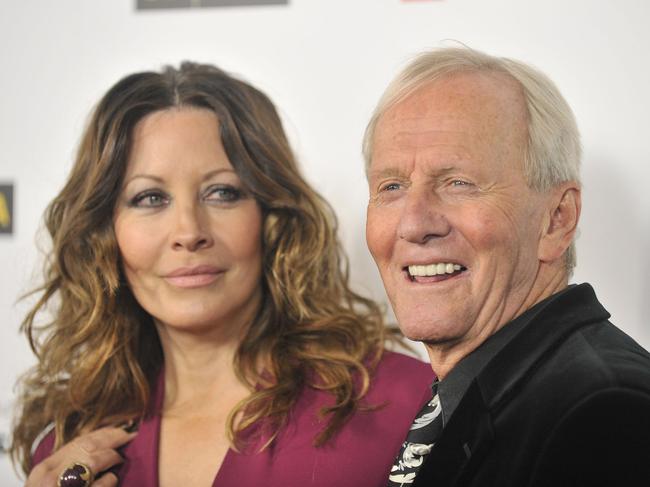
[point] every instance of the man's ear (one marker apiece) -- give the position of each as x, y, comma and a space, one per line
561, 221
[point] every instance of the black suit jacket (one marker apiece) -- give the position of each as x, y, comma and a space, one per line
565, 403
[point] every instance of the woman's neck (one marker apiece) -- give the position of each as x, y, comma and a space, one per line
199, 369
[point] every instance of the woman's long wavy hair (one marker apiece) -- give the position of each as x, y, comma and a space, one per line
99, 355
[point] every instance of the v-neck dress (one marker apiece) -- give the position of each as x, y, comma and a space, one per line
360, 455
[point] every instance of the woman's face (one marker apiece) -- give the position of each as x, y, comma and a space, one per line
188, 233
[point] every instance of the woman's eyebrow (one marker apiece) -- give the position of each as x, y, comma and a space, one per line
216, 172
152, 177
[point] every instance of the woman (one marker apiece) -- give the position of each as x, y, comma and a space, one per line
201, 302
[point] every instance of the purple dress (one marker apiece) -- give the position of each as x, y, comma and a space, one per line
360, 455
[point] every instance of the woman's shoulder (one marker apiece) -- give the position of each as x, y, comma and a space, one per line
362, 451
400, 378
397, 366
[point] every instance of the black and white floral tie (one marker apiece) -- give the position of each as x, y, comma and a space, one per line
420, 440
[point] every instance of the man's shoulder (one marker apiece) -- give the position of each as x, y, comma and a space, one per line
610, 349
603, 439
554, 366
580, 408
598, 356
570, 343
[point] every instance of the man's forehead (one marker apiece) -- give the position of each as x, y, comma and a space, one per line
449, 140
455, 116
396, 134
457, 98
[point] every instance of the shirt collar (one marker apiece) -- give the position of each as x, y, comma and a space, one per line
452, 389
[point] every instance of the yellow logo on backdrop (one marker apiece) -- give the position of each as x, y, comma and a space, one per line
5, 218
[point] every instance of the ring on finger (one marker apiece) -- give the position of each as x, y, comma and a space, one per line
76, 475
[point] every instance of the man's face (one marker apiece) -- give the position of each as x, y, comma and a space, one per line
452, 224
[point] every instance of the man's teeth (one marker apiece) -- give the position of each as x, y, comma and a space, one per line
434, 269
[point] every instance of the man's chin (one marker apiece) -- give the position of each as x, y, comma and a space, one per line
431, 335
420, 329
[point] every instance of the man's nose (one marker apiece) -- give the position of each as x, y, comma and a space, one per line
191, 230
423, 217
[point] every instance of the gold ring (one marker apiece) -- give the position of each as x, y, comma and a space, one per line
76, 475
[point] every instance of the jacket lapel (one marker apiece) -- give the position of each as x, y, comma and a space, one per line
549, 325
141, 454
467, 437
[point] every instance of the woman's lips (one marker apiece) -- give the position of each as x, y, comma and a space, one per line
190, 277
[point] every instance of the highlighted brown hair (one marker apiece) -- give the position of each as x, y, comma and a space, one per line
100, 354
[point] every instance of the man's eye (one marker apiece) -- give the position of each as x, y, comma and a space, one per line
459, 183
390, 187
224, 193
149, 199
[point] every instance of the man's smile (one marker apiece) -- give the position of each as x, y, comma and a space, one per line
434, 272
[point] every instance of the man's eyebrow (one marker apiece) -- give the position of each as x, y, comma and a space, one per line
442, 171
393, 172
388, 172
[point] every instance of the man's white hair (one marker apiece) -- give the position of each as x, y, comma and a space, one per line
553, 149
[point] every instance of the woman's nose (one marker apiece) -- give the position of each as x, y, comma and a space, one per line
191, 229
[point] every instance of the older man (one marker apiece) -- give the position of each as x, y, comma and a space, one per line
472, 165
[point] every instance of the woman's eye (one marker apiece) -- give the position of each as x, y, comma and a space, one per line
224, 193
149, 199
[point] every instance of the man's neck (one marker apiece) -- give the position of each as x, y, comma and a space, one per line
446, 355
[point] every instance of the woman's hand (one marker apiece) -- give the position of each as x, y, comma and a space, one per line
97, 450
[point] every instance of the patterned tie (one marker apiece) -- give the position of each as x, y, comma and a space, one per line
420, 440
